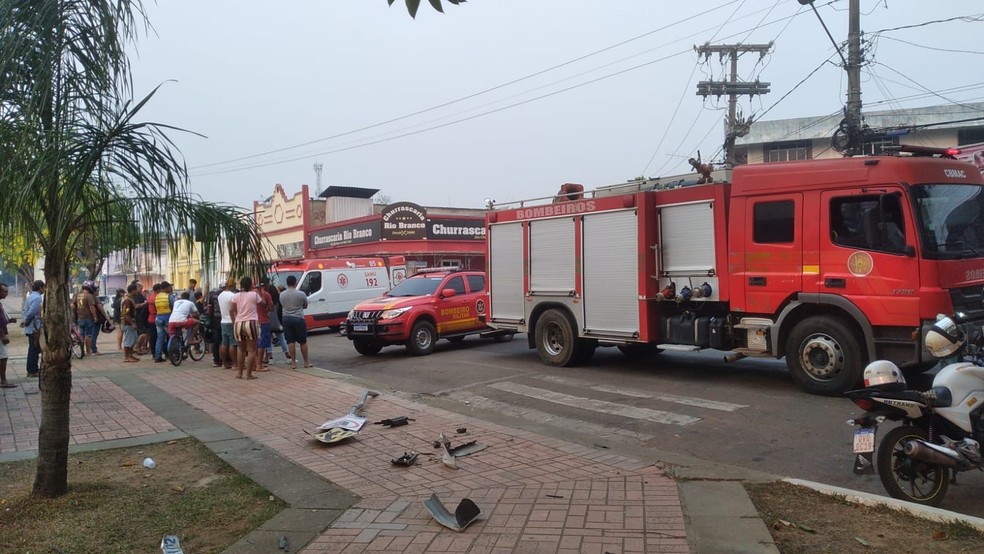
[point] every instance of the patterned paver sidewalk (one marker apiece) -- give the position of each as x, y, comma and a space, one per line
536, 494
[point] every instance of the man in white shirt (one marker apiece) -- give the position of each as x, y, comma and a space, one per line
184, 315
227, 345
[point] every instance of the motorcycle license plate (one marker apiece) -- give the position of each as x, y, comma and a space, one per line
864, 440
360, 327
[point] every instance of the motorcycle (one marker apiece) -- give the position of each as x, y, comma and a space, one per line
941, 428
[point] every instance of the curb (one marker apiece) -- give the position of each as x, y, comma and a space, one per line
867, 499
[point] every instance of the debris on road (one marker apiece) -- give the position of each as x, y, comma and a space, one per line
464, 514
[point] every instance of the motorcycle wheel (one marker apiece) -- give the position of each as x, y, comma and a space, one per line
908, 479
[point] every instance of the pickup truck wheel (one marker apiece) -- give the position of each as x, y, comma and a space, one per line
824, 356
556, 341
367, 348
422, 338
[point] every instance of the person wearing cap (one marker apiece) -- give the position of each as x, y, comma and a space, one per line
164, 302
31, 322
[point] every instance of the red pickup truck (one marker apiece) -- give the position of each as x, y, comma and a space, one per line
434, 304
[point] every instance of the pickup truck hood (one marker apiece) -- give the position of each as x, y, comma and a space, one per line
389, 303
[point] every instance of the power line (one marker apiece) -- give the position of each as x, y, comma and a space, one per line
932, 47
370, 143
965, 18
403, 135
473, 95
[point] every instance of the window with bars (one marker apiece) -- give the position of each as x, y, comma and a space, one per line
970, 136
788, 151
875, 146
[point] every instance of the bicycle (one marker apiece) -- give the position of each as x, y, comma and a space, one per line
178, 349
76, 346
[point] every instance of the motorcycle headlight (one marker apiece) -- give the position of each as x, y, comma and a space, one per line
390, 314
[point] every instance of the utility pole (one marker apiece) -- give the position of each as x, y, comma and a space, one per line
733, 89
318, 167
849, 138
854, 125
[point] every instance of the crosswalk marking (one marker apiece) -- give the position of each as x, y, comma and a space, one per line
686, 400
602, 406
536, 416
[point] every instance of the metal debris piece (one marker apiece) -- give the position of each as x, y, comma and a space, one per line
448, 458
407, 459
466, 449
394, 421
282, 544
171, 545
350, 421
464, 514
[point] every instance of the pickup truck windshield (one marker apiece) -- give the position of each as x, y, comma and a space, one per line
416, 287
951, 220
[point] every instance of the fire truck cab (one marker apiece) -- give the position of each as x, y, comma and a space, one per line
828, 263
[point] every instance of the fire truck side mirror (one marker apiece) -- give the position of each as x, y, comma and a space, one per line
910, 251
447, 293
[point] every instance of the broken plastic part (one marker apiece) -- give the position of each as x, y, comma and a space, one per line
461, 430
464, 514
467, 448
407, 459
394, 421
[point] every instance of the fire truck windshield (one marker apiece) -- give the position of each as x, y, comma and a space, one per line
951, 220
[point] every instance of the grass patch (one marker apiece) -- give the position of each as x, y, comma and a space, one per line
114, 504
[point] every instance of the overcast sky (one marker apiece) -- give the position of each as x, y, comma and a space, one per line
258, 76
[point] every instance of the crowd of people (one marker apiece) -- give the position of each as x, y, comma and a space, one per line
241, 323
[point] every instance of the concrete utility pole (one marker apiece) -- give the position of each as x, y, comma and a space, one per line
854, 77
733, 89
849, 137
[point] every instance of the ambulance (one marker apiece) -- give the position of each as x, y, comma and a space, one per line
335, 285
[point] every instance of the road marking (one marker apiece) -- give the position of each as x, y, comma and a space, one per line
536, 416
686, 400
602, 406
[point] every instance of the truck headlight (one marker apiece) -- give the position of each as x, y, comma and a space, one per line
390, 314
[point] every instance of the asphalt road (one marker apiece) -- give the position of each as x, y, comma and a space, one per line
747, 414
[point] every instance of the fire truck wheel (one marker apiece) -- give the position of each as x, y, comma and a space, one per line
584, 351
422, 338
367, 348
503, 337
824, 356
556, 341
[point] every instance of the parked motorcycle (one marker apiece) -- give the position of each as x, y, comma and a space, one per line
941, 429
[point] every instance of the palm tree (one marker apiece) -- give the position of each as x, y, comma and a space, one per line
77, 170
412, 5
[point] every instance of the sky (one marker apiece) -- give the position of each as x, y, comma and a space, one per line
508, 99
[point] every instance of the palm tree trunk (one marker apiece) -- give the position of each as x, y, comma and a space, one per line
51, 479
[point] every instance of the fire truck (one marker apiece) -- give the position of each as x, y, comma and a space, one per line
828, 263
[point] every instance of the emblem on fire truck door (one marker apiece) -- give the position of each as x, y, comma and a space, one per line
480, 307
860, 264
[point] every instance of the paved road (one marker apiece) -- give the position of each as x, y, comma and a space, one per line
747, 414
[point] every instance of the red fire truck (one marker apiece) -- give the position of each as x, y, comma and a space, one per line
828, 263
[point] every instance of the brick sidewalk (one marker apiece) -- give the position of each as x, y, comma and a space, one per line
536, 494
